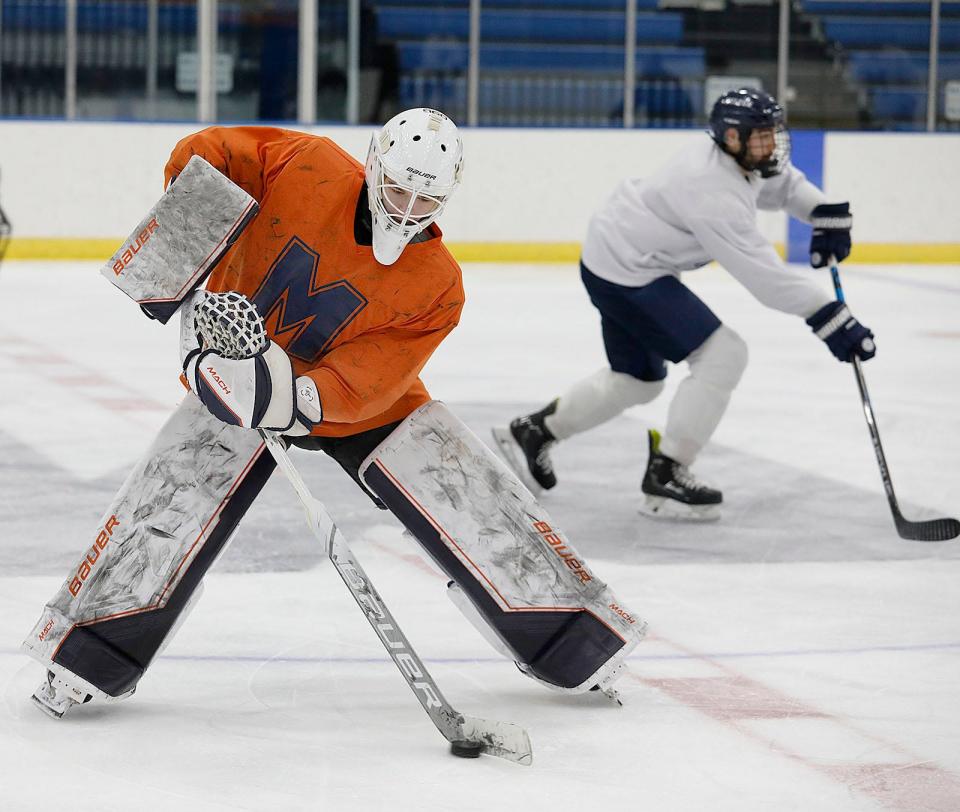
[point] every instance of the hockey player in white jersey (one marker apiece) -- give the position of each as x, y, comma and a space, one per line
700, 206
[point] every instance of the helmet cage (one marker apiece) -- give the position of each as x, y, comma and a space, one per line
385, 190
746, 110
404, 194
771, 165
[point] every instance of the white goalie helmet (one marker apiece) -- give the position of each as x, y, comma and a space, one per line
413, 167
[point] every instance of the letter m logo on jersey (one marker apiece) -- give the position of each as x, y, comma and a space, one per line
301, 315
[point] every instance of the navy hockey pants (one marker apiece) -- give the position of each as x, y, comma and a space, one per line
643, 326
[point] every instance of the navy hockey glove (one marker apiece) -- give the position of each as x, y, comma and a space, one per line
843, 334
831, 233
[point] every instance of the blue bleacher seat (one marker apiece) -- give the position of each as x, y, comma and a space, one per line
543, 100
452, 56
879, 8
92, 16
544, 63
899, 67
529, 26
432, 56
901, 105
592, 5
905, 32
898, 103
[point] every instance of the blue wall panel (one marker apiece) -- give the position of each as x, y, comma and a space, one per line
807, 156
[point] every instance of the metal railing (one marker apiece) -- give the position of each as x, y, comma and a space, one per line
618, 63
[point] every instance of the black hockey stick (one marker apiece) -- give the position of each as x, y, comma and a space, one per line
231, 324
930, 530
468, 735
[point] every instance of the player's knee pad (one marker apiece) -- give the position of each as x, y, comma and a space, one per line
720, 360
519, 572
170, 520
627, 391
598, 398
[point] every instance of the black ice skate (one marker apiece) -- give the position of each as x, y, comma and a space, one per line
672, 492
526, 448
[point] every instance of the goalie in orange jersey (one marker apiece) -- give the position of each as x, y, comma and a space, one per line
354, 290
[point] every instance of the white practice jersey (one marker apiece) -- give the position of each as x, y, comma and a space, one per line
699, 207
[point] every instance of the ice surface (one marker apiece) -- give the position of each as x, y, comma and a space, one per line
801, 656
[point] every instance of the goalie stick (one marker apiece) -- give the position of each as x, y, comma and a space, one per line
228, 333
930, 530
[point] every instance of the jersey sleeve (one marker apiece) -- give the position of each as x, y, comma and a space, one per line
790, 191
246, 155
366, 375
739, 247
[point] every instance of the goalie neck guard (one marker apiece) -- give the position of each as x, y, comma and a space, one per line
413, 167
745, 110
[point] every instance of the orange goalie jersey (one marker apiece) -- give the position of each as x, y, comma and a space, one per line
361, 330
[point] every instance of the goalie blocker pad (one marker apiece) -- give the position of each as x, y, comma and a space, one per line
486, 531
182, 238
143, 563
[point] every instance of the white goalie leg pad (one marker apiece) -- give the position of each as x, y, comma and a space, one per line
182, 238
167, 517
470, 612
522, 576
602, 678
596, 399
701, 399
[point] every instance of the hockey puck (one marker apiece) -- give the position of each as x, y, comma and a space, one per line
466, 749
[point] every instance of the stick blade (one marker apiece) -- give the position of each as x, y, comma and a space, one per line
932, 530
502, 739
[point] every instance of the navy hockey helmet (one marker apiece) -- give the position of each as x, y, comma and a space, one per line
745, 110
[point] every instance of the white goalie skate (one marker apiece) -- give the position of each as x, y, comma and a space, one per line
606, 676
61, 691
55, 696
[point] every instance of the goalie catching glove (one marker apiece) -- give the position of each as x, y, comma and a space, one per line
239, 375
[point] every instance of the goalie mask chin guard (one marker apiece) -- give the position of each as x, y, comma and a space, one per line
745, 110
414, 165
